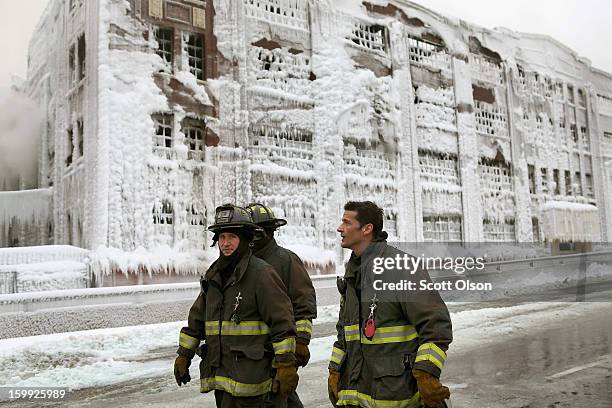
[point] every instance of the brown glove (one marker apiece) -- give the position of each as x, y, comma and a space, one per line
181, 370
302, 354
286, 379
432, 392
332, 386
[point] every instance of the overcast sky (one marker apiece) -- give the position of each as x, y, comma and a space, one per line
583, 25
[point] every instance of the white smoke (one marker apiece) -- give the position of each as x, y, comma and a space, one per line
20, 124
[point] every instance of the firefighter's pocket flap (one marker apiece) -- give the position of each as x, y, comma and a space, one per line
250, 351
388, 366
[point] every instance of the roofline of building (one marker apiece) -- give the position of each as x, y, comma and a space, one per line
519, 34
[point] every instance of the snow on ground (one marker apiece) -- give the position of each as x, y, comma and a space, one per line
108, 356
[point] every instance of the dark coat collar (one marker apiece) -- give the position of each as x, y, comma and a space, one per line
268, 249
213, 274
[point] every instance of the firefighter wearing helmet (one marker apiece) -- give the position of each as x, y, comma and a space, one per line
298, 284
241, 324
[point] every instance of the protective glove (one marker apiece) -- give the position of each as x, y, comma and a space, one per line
181, 370
285, 380
432, 392
332, 385
302, 354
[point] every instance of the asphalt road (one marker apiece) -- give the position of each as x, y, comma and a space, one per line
566, 363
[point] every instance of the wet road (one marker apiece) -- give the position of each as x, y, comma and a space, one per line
565, 363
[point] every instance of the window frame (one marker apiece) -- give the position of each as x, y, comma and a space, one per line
161, 42
192, 50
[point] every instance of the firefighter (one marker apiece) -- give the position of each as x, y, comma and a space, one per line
241, 324
389, 352
297, 281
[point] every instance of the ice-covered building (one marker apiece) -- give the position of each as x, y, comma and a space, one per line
159, 110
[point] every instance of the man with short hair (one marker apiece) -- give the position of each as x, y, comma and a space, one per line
389, 352
297, 282
241, 323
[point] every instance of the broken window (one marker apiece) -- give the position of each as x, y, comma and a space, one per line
82, 57
549, 88
438, 168
370, 36
577, 184
604, 104
368, 159
162, 141
163, 213
80, 137
491, 119
194, 131
292, 14
280, 69
486, 69
557, 186
568, 183
440, 184
195, 216
194, 44
499, 230
535, 229
544, 180
537, 85
164, 38
495, 175
531, 176
522, 79
581, 98
429, 54
288, 146
588, 179
72, 68
496, 189
574, 133
69, 147
558, 91
560, 117
442, 229
584, 136
570, 94
390, 223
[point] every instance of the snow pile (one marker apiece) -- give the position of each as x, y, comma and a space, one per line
161, 260
85, 359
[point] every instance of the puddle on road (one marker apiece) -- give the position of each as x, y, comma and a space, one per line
544, 353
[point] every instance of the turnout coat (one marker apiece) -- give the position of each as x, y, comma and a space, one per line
244, 325
413, 330
298, 283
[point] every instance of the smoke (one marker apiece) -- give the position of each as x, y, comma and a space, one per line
20, 125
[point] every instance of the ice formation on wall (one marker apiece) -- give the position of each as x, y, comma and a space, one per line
458, 132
